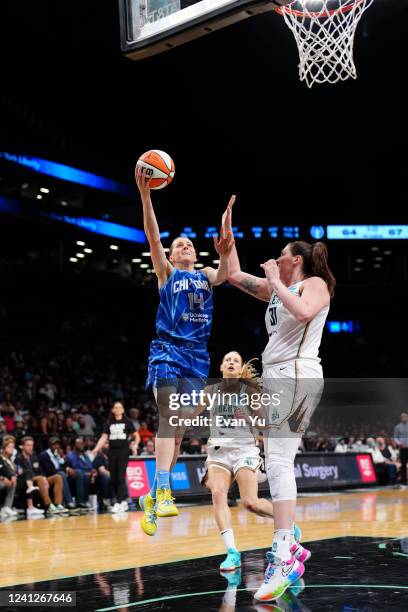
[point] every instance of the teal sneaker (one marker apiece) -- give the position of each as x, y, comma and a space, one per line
233, 578
232, 561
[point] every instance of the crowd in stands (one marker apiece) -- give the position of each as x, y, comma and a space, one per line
53, 407
68, 395
389, 454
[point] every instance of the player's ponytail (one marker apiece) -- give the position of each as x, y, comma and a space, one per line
250, 375
321, 267
315, 261
248, 371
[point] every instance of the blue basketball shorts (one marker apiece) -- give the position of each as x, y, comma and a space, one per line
176, 365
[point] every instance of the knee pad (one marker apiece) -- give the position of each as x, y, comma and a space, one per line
281, 476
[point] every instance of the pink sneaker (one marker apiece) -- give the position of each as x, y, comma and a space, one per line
279, 576
300, 553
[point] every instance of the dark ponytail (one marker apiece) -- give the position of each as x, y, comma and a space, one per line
314, 261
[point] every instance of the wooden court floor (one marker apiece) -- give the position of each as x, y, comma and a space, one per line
46, 549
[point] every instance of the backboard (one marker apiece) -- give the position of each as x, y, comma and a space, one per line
149, 27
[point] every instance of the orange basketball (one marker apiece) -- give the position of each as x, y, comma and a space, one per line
159, 166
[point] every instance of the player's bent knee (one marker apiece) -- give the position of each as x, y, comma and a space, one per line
281, 476
250, 504
219, 496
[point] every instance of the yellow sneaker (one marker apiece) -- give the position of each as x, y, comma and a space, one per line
165, 505
149, 519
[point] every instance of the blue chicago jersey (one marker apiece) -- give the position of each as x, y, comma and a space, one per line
185, 309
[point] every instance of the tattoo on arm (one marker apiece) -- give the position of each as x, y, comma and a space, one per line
249, 285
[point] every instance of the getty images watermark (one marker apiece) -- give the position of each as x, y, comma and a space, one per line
227, 409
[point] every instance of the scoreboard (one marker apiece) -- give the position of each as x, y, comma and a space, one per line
367, 232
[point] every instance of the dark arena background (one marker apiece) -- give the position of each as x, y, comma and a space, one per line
78, 300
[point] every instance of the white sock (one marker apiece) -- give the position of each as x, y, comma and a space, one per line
281, 544
230, 597
228, 537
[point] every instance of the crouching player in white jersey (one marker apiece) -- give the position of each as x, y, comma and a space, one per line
232, 447
298, 287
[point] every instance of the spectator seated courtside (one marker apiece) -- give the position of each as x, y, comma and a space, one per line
8, 479
81, 473
52, 462
29, 468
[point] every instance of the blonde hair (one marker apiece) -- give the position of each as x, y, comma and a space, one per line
248, 370
6, 441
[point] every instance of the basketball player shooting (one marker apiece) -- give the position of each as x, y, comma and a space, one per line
178, 356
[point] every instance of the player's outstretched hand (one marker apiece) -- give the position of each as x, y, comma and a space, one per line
142, 182
271, 270
224, 243
226, 221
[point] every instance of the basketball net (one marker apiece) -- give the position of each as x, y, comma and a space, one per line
324, 32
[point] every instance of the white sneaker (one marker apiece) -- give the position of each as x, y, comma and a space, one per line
116, 508
52, 509
279, 576
7, 512
32, 512
61, 509
120, 517
31, 489
124, 506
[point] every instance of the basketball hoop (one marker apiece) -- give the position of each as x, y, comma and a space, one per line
324, 32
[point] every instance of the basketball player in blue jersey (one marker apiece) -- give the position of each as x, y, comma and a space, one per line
183, 326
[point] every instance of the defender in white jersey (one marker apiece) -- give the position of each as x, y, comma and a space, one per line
298, 288
232, 448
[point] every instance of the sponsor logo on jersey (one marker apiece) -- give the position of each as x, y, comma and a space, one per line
199, 317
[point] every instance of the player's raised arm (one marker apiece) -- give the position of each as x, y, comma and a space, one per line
254, 285
161, 264
223, 247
